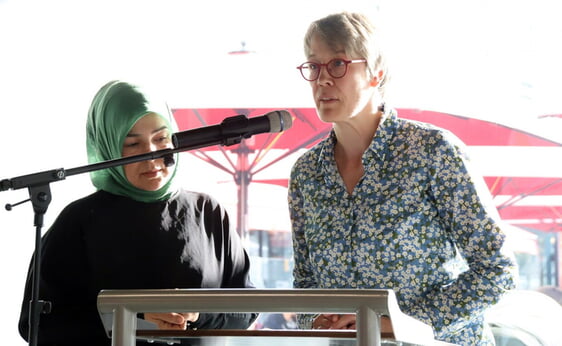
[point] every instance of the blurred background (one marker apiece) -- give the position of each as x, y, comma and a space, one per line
489, 70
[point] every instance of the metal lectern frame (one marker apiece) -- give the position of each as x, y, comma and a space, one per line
368, 304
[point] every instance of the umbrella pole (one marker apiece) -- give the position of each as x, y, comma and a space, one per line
242, 178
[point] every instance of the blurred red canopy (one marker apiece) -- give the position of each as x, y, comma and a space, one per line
308, 130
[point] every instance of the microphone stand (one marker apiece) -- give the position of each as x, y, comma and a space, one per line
40, 197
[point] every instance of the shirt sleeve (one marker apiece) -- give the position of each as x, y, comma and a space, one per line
465, 210
236, 268
303, 275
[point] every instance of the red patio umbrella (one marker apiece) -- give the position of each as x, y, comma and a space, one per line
268, 151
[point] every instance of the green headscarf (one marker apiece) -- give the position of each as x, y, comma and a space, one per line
114, 110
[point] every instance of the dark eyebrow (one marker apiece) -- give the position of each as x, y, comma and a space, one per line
130, 134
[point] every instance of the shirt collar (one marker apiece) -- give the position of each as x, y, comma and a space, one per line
383, 135
378, 148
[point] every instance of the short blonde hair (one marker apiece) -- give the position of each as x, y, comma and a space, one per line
353, 33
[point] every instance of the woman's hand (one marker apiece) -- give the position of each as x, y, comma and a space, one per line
171, 320
347, 321
334, 321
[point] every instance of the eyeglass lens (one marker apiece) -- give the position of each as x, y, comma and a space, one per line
336, 68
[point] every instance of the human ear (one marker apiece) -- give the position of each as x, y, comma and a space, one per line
377, 78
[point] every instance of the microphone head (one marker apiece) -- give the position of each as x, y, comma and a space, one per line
169, 160
280, 120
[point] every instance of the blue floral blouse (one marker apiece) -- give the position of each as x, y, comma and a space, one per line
418, 222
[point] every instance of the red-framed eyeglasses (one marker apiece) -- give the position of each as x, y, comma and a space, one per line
337, 68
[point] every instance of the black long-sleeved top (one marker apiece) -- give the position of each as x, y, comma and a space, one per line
105, 241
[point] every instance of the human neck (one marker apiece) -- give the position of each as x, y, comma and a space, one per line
355, 136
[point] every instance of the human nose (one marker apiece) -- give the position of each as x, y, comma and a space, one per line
324, 77
149, 147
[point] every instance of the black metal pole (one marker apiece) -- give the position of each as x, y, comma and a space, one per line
40, 197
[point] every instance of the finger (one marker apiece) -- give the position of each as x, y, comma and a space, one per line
176, 318
190, 316
168, 317
172, 326
169, 326
321, 322
172, 318
343, 322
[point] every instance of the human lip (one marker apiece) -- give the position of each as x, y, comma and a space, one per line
152, 173
325, 98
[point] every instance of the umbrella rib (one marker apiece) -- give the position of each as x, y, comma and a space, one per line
521, 196
202, 156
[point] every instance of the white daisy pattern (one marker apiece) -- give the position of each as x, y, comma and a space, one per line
418, 222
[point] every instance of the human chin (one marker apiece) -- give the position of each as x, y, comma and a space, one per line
327, 115
156, 182
151, 185
150, 181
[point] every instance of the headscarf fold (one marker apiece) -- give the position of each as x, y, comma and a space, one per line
115, 109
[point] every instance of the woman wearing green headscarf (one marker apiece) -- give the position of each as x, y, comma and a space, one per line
137, 231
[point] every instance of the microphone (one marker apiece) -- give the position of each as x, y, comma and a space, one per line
232, 130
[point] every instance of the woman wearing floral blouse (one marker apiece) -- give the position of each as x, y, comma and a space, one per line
388, 203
